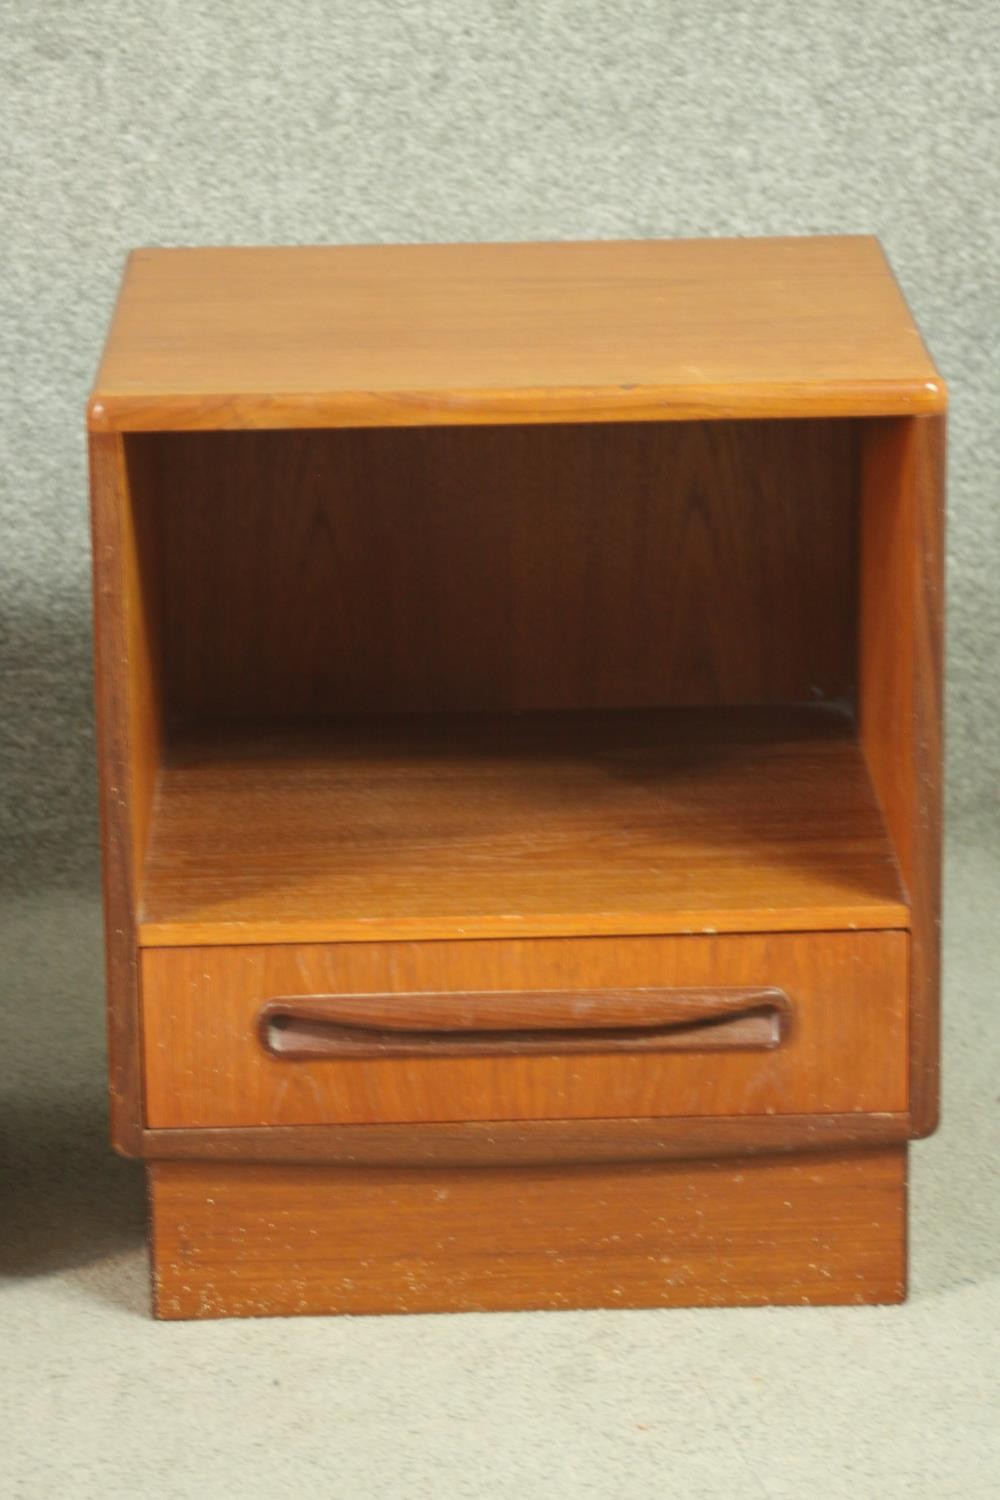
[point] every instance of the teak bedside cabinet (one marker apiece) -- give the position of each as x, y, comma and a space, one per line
519, 678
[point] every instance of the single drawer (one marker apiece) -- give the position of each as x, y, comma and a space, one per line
543, 1028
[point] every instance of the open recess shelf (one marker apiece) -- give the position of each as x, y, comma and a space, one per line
539, 680
648, 821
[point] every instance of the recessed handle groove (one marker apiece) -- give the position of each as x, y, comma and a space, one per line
519, 1023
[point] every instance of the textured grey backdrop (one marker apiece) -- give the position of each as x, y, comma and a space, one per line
186, 121
182, 121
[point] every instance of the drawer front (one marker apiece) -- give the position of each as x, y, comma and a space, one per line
544, 1028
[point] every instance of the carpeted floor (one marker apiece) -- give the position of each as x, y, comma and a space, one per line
810, 1404
397, 120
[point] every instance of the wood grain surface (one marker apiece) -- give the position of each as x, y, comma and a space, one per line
470, 1143
901, 697
395, 335
320, 573
249, 584
257, 1241
128, 736
205, 1064
656, 821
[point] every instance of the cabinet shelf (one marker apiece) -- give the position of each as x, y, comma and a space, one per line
552, 823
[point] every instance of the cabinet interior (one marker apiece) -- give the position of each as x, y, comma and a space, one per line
518, 680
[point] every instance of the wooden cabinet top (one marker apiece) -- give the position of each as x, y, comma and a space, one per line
404, 335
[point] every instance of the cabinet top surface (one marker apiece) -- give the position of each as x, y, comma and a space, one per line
404, 335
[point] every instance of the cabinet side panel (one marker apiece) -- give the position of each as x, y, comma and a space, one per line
139, 574
900, 699
128, 750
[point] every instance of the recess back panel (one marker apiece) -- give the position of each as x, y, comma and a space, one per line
502, 568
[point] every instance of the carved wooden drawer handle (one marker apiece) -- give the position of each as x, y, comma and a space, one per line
519, 1023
